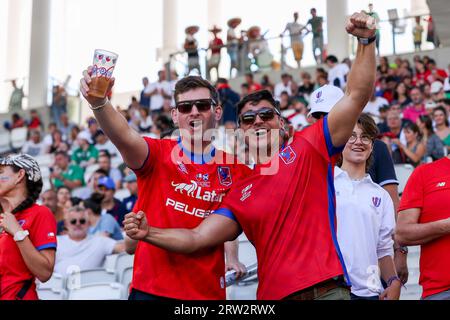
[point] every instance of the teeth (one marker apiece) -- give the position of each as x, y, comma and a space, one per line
260, 132
196, 123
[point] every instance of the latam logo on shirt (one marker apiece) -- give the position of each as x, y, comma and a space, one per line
193, 190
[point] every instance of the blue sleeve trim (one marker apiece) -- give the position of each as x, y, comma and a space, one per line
332, 150
226, 213
46, 246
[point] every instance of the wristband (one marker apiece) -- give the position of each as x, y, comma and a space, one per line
99, 106
392, 279
366, 41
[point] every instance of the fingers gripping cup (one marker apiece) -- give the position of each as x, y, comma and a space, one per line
102, 70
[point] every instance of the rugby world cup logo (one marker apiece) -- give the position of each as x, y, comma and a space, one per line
318, 97
376, 201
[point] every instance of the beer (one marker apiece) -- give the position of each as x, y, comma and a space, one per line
98, 87
102, 70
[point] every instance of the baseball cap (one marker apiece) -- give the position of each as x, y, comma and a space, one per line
130, 178
85, 136
324, 98
107, 182
436, 87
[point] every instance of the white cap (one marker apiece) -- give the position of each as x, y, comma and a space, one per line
447, 84
430, 105
436, 87
324, 98
85, 136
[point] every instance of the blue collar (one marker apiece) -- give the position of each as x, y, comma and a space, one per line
198, 158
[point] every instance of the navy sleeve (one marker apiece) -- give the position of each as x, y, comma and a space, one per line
382, 169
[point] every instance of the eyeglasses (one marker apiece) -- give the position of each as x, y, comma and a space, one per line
365, 139
82, 221
265, 114
202, 105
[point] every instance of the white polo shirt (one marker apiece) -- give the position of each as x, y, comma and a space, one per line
365, 224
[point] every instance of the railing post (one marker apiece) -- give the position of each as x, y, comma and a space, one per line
393, 35
283, 53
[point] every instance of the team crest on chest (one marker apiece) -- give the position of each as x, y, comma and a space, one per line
376, 201
288, 155
224, 176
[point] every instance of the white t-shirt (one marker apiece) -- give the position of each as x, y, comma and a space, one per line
294, 29
33, 149
365, 224
157, 100
337, 75
280, 87
447, 84
373, 107
89, 253
109, 146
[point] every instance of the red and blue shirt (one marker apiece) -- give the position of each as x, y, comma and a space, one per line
177, 189
41, 224
290, 216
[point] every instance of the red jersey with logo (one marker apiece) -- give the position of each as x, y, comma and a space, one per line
290, 216
178, 189
428, 188
41, 224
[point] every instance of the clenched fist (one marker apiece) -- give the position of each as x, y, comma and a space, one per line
361, 25
135, 225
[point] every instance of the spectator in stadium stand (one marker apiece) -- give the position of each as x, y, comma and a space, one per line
317, 31
59, 103
337, 73
389, 92
417, 34
215, 45
16, 122
437, 91
33, 146
229, 98
146, 122
104, 162
252, 85
63, 202
373, 106
434, 145
283, 86
27, 230
422, 74
295, 33
401, 95
72, 139
424, 219
111, 205
163, 126
321, 80
77, 250
440, 117
307, 86
35, 122
57, 140
130, 182
48, 199
244, 90
416, 108
157, 91
62, 173
144, 98
414, 149
382, 123
100, 224
267, 84
197, 104
86, 154
365, 215
65, 125
284, 101
102, 143
305, 162
436, 73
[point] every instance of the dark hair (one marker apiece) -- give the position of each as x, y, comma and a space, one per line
441, 108
94, 203
101, 171
331, 58
105, 153
411, 126
426, 120
255, 97
65, 154
222, 80
194, 82
249, 74
34, 189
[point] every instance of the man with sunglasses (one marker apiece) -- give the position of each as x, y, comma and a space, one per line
180, 182
288, 215
79, 251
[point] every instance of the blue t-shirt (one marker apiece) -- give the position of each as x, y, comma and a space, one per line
107, 223
129, 202
382, 169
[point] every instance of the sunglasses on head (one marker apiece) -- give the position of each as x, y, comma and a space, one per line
202, 105
82, 221
265, 114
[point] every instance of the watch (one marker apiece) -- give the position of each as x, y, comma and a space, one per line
366, 41
403, 249
20, 235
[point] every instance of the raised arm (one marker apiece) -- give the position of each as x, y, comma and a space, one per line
213, 231
361, 80
131, 145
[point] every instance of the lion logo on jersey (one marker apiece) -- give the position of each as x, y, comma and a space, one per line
189, 188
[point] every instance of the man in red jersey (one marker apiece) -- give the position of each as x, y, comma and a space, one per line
180, 182
424, 219
289, 215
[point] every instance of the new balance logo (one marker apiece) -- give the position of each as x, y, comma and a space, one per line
440, 185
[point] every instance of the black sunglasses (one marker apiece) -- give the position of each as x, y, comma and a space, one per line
82, 221
202, 105
266, 114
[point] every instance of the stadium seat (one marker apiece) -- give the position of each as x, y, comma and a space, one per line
98, 291
45, 160
56, 283
18, 137
90, 276
403, 171
5, 142
124, 261
127, 276
122, 194
49, 294
110, 262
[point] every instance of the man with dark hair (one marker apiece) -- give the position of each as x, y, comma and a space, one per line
294, 236
252, 85
337, 74
65, 174
187, 179
104, 162
317, 30
229, 98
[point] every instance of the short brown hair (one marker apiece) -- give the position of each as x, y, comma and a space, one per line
195, 82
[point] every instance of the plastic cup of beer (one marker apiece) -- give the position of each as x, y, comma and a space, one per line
102, 70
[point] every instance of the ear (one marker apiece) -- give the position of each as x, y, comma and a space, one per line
21, 176
218, 111
174, 114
